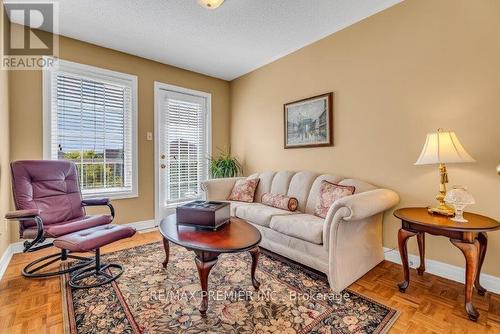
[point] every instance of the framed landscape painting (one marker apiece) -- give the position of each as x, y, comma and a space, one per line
309, 122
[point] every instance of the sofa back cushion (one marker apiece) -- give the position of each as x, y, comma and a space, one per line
281, 182
300, 186
266, 179
303, 185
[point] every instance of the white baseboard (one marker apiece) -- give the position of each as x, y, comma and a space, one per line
13, 248
441, 269
17, 247
5, 259
144, 225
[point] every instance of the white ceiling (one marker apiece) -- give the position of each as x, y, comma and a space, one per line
226, 43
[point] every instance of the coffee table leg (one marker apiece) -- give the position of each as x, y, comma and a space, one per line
166, 246
204, 263
255, 252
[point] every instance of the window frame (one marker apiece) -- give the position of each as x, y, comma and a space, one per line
158, 87
98, 74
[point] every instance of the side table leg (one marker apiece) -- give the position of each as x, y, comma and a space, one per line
483, 245
204, 266
403, 236
255, 258
166, 246
421, 250
471, 253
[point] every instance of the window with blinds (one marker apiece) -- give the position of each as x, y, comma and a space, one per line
186, 144
90, 120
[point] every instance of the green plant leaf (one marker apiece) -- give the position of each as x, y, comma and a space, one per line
224, 165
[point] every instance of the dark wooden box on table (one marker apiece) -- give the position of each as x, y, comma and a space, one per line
203, 214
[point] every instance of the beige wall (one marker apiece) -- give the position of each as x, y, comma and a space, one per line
398, 75
4, 152
26, 112
4, 160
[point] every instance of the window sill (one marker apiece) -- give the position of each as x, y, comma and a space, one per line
176, 204
111, 196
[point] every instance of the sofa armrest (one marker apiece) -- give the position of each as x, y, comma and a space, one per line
358, 207
355, 223
218, 189
23, 214
366, 204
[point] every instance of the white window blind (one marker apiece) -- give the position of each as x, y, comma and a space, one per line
92, 120
186, 144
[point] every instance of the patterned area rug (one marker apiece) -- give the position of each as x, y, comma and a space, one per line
150, 299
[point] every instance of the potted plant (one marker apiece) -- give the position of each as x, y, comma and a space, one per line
224, 165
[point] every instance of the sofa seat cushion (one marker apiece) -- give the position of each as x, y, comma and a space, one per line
302, 226
259, 214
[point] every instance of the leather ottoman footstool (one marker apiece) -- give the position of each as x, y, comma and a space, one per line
91, 240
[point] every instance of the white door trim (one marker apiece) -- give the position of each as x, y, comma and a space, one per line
158, 86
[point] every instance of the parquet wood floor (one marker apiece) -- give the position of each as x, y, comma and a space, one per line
430, 305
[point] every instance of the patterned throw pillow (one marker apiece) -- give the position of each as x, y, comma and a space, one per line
328, 194
244, 190
280, 201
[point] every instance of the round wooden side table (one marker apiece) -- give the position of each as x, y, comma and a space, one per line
233, 237
470, 238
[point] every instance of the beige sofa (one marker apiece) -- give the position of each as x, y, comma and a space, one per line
345, 245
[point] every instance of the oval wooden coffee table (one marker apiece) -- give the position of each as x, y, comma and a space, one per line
233, 237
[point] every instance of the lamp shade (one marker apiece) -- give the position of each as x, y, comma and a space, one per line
443, 147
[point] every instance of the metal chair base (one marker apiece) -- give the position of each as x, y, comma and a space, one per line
100, 273
45, 261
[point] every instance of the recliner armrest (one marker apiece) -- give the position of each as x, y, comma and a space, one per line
95, 201
23, 214
99, 202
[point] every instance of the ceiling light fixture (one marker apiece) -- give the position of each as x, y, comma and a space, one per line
210, 4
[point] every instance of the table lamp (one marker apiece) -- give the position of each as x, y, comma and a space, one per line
442, 147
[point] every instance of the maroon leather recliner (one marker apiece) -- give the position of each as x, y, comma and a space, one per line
49, 205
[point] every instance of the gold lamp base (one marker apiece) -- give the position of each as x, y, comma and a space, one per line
442, 209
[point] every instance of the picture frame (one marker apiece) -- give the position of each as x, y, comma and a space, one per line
309, 122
